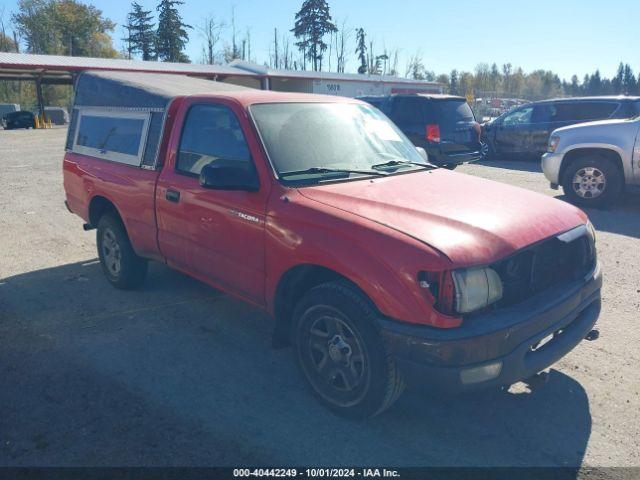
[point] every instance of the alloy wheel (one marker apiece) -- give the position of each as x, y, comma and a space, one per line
589, 182
335, 360
111, 252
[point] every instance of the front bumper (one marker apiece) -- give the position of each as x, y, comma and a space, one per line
454, 158
438, 357
551, 163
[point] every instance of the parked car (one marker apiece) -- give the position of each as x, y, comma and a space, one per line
594, 162
377, 266
57, 115
21, 119
443, 125
8, 108
524, 131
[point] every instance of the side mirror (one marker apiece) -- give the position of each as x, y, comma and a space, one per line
227, 177
423, 153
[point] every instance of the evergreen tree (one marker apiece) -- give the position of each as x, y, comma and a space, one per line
595, 84
171, 36
142, 37
361, 50
313, 22
628, 81
453, 82
618, 79
575, 86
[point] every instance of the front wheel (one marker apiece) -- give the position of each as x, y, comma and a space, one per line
120, 264
592, 181
342, 355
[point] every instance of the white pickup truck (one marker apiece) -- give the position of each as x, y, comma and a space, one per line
594, 162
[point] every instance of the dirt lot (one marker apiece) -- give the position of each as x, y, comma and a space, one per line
179, 374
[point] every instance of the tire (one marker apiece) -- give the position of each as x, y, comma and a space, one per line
450, 167
592, 181
122, 267
341, 353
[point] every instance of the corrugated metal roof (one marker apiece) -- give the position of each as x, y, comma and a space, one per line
24, 61
311, 75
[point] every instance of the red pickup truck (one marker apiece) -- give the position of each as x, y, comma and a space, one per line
378, 267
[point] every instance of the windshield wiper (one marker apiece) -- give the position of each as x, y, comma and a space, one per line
397, 163
321, 170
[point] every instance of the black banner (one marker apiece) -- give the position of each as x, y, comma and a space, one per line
304, 473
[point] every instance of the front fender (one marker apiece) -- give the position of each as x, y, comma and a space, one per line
383, 263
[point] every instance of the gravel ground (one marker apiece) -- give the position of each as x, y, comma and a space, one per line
179, 374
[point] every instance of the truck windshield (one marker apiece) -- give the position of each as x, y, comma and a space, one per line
320, 141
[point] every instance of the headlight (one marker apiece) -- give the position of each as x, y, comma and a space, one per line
476, 288
553, 143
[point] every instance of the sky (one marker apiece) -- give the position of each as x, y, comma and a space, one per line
565, 36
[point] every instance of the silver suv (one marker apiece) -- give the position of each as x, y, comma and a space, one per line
594, 162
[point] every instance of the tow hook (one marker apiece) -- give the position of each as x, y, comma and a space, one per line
592, 335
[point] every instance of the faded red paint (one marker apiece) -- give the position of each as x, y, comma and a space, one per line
378, 232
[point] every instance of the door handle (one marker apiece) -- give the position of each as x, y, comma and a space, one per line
172, 195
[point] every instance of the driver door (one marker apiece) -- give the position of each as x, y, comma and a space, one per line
513, 134
214, 235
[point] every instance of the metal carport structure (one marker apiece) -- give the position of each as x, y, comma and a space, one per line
62, 70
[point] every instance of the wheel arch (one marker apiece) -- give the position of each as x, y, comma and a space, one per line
292, 285
99, 206
609, 153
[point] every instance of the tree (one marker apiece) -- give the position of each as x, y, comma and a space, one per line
313, 22
594, 86
415, 67
232, 52
342, 38
361, 50
575, 86
64, 27
494, 77
142, 36
127, 48
453, 82
628, 81
210, 29
7, 44
506, 77
172, 36
616, 82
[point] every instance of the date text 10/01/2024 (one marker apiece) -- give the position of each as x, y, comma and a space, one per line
316, 473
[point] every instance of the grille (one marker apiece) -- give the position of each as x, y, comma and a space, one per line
548, 264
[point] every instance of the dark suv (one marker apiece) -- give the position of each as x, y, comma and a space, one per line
525, 131
443, 125
21, 119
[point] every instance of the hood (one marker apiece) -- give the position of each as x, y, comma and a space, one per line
598, 123
471, 220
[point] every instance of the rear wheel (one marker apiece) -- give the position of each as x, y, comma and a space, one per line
120, 264
342, 355
592, 181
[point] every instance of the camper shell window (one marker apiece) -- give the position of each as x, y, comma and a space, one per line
112, 135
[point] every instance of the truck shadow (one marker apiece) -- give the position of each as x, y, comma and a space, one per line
179, 374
